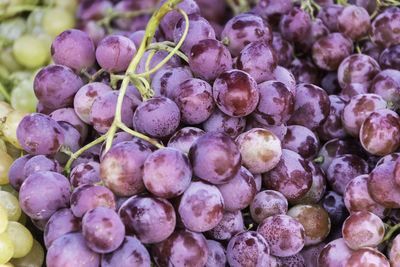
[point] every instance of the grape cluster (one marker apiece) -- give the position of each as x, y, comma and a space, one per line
191, 137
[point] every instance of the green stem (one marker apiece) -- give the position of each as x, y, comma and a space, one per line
358, 49
319, 159
96, 75
125, 128
342, 2
147, 65
166, 47
4, 92
393, 229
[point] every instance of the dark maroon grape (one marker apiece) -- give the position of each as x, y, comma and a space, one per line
335, 254
333, 203
354, 21
390, 57
267, 203
353, 89
387, 84
166, 81
304, 71
301, 140
295, 24
184, 138
329, 15
244, 29
220, 122
332, 127
384, 29
329, 51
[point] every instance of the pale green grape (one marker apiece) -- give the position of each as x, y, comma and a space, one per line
70, 5
19, 76
3, 219
34, 258
6, 248
3, 146
7, 59
12, 29
8, 264
23, 97
57, 20
30, 51
34, 20
21, 237
9, 128
24, 2
5, 109
10, 202
5, 163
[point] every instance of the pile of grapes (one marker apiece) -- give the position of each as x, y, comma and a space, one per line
213, 133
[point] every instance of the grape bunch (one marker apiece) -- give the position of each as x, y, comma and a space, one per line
179, 134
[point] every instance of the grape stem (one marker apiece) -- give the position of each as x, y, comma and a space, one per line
166, 47
391, 231
308, 6
342, 2
4, 92
238, 6
383, 3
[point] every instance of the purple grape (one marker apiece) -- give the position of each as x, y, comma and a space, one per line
74, 49
283, 49
220, 122
284, 76
296, 260
244, 29
248, 249
215, 158
257, 59
332, 127
329, 51
236, 93
199, 29
130, 253
102, 111
201, 207
304, 71
353, 89
311, 254
40, 108
56, 85
335, 254
184, 138
137, 36
16, 174
384, 29
329, 15
387, 84
389, 58
95, 31
93, 10
85, 173
129, 6
69, 115
354, 21
118, 138
216, 254
330, 83
167, 172
157, 117
59, 224
195, 101
371, 49
166, 81
72, 141
267, 203
209, 58
41, 163
388, 158
182, 248
302, 141
54, 194
213, 11
85, 97
269, 10
230, 224
160, 55
295, 24
365, 256
317, 30
333, 203
115, 52
260, 150
87, 197
71, 250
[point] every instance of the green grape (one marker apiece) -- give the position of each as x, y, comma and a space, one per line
3, 146
57, 20
12, 29
8, 264
3, 219
10, 202
7, 59
21, 237
23, 97
5, 163
70, 5
10, 189
6, 248
30, 51
34, 19
9, 127
46, 39
34, 258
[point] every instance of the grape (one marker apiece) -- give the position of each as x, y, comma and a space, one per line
230, 224
260, 150
6, 248
301, 140
199, 29
357, 68
394, 254
257, 59
56, 85
311, 254
389, 58
329, 51
166, 82
297, 260
69, 115
291, 176
3, 146
283, 49
220, 122
333, 203
21, 237
329, 16
353, 89
95, 32
71, 141
115, 52
5, 110
87, 197
39, 134
40, 108
155, 60
167, 173
317, 30
137, 36
358, 109
267, 203
268, 10
215, 158
184, 138
7, 59
244, 29
13, 28
371, 49
56, 20
236, 93
201, 207
182, 248
71, 250
388, 158
216, 254
130, 253
41, 163
209, 58
315, 221
387, 84
34, 258
55, 194
332, 127
9, 127
335, 254
5, 163
276, 104
30, 52
284, 76
102, 111
383, 29
61, 222
16, 171
369, 256
354, 21
3, 218
248, 249
195, 101
23, 97
304, 71
330, 83
295, 24
379, 132
285, 235
157, 117
85, 173
382, 186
